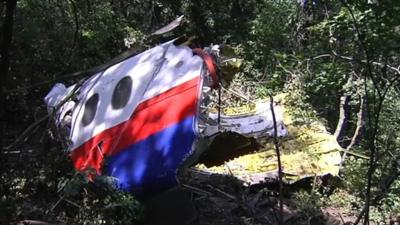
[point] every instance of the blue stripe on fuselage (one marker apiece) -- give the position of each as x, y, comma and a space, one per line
149, 166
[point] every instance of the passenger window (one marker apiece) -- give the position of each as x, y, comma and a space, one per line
90, 109
122, 92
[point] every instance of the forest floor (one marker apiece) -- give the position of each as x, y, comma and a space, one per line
222, 199
210, 199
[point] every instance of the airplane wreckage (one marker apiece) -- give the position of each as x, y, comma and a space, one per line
142, 120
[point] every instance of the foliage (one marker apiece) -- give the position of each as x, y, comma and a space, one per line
308, 204
331, 60
112, 206
41, 189
317, 51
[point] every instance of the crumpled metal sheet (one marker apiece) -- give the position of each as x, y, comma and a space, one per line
255, 125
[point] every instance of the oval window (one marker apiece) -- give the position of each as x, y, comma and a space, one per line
122, 92
90, 109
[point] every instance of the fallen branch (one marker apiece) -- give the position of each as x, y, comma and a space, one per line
195, 189
222, 192
72, 203
32, 222
57, 203
354, 154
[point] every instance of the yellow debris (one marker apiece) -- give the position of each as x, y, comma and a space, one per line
307, 150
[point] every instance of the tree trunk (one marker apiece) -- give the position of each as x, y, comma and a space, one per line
344, 100
357, 132
5, 63
343, 113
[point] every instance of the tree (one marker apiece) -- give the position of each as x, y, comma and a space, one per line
7, 31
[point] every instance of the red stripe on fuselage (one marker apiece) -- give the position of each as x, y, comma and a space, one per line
150, 117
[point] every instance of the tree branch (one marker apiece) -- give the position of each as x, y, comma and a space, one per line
348, 58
